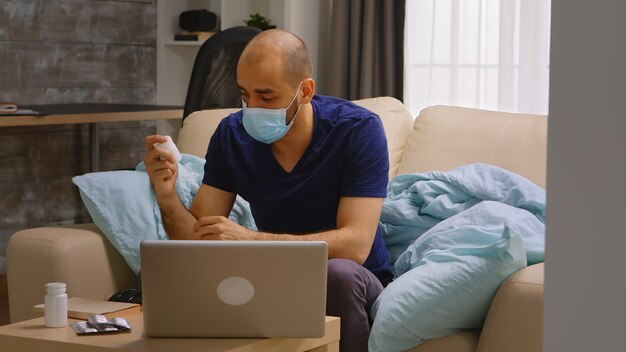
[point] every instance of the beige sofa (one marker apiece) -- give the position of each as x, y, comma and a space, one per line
440, 138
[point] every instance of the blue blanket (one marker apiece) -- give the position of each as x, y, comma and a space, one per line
454, 237
417, 203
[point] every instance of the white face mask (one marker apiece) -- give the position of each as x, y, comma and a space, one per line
268, 125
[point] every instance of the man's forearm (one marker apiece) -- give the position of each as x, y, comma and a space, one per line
342, 243
177, 220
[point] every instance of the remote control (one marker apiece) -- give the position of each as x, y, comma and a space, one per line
171, 147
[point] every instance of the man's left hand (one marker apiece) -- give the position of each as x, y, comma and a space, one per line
221, 228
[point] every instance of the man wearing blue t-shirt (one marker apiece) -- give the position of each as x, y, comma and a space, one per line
311, 167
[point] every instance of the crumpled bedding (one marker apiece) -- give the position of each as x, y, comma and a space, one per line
416, 203
454, 238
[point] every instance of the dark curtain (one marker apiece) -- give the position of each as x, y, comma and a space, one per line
366, 49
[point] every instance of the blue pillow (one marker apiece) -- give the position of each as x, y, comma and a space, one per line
449, 289
123, 205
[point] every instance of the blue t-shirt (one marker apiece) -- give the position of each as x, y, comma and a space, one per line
347, 157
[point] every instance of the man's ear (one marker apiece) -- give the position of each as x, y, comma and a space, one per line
308, 91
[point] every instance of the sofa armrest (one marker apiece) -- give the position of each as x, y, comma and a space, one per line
515, 318
78, 255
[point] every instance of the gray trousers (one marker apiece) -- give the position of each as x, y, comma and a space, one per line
351, 292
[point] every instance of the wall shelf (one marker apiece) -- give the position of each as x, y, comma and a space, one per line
184, 43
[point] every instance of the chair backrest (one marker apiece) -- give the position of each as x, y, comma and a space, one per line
213, 82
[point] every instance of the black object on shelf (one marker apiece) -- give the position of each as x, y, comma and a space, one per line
186, 37
198, 21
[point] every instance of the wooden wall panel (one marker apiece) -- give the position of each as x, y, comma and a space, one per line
36, 96
21, 20
69, 51
61, 65
100, 22
57, 95
78, 21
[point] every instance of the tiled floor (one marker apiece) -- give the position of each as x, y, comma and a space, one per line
4, 301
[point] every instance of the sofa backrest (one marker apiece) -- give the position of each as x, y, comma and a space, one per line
397, 122
197, 130
440, 138
198, 127
445, 137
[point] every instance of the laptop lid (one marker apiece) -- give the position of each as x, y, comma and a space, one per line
234, 288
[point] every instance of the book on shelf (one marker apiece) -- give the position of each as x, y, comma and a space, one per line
83, 308
193, 36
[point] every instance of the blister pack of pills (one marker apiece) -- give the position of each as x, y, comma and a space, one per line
99, 324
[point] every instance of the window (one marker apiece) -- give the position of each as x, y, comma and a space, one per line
489, 54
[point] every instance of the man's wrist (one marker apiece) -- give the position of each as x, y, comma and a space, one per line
266, 236
167, 201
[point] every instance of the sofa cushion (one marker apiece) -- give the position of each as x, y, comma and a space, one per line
515, 319
397, 122
445, 137
198, 127
78, 255
464, 341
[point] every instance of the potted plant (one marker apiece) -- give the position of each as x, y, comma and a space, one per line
258, 21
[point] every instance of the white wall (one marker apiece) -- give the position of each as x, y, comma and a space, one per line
308, 19
585, 292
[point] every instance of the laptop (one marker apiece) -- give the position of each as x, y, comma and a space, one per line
242, 289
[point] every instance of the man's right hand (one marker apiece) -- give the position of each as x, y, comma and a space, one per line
161, 167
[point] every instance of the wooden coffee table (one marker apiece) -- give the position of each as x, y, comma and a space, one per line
32, 335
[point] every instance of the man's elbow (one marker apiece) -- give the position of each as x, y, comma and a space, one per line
351, 253
361, 253
360, 259
355, 246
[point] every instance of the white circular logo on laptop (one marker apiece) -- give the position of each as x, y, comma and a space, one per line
235, 290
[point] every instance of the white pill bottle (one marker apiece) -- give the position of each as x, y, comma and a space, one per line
55, 311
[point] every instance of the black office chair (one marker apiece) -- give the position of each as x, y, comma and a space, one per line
213, 82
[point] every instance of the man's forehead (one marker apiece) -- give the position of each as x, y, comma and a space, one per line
265, 72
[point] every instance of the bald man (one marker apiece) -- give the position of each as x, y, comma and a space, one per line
311, 167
